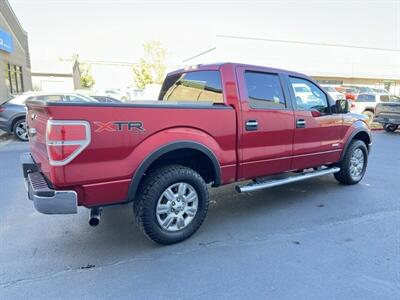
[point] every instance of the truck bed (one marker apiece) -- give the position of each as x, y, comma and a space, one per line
115, 151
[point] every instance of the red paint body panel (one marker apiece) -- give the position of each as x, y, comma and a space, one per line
103, 172
318, 143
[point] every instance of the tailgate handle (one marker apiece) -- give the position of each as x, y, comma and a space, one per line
251, 125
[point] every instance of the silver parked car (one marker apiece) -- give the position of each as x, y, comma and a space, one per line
13, 110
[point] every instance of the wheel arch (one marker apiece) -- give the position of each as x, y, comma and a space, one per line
361, 134
370, 109
206, 156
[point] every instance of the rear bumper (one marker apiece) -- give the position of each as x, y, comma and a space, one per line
46, 199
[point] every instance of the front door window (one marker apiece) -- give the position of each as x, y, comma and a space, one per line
308, 96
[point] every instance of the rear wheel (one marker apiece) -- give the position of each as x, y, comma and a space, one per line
390, 127
171, 205
354, 163
20, 130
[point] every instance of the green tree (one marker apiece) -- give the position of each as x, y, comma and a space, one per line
87, 80
151, 68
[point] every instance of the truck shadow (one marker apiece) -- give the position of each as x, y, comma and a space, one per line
228, 211
232, 217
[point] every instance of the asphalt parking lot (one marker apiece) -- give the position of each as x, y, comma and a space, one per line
309, 240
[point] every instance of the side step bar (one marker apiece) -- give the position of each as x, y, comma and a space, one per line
276, 182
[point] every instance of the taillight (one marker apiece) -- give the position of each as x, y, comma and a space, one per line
65, 140
2, 109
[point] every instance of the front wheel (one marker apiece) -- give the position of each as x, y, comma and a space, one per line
172, 204
390, 127
354, 163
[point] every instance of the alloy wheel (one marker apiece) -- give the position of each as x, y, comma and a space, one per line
177, 206
21, 131
357, 164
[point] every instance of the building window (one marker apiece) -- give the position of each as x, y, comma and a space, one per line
7, 76
14, 79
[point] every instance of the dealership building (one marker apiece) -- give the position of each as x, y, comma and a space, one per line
15, 66
333, 64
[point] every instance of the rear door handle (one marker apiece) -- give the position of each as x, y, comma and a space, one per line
251, 125
300, 123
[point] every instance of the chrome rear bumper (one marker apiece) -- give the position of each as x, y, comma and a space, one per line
46, 199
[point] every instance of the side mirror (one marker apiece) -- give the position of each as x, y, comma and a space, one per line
315, 113
341, 106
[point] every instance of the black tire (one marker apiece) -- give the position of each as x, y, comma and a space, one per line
390, 127
17, 130
370, 116
344, 175
151, 191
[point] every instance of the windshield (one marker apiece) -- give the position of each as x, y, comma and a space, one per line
366, 90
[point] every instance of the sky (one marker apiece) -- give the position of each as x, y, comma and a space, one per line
115, 30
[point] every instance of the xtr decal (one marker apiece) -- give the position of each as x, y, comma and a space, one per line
112, 126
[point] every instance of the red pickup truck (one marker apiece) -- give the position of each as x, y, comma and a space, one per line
212, 124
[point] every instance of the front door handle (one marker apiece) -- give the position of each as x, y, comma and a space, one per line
300, 123
251, 125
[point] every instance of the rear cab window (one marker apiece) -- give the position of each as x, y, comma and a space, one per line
195, 86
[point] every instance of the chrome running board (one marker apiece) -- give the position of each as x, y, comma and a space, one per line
254, 186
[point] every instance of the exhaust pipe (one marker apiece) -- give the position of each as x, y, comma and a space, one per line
94, 218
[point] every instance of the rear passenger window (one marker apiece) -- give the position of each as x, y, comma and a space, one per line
264, 90
199, 86
385, 98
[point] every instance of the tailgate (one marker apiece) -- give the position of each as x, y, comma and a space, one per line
390, 108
